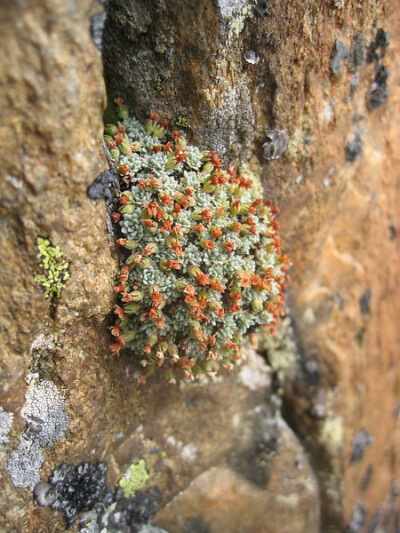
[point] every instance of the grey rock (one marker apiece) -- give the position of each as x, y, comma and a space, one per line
275, 145
365, 302
339, 53
103, 186
262, 7
6, 419
353, 148
357, 518
377, 94
361, 440
357, 52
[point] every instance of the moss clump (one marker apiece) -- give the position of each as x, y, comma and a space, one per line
53, 268
202, 259
135, 479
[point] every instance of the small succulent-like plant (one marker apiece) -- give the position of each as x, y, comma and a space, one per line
202, 259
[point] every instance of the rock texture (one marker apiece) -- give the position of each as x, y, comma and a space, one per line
51, 97
328, 76
233, 73
222, 500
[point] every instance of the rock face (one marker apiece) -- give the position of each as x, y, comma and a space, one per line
247, 79
51, 96
224, 499
332, 87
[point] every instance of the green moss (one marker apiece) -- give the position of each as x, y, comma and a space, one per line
135, 479
53, 268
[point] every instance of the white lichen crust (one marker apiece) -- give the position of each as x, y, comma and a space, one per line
203, 260
46, 420
6, 419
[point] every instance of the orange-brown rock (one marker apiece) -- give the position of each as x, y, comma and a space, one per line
222, 500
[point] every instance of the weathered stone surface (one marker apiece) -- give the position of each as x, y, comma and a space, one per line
51, 97
223, 500
344, 299
339, 218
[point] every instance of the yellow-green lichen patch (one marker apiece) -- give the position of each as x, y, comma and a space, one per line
135, 478
53, 268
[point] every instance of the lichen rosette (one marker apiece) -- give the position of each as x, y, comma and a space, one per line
202, 259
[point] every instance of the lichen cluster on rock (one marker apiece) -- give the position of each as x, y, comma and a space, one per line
53, 268
202, 259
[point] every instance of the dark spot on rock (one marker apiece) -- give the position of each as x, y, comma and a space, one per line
392, 232
120, 514
191, 400
354, 83
360, 335
103, 186
372, 56
373, 523
158, 465
131, 513
365, 302
155, 449
196, 524
312, 372
255, 469
353, 148
339, 53
396, 410
298, 462
395, 490
378, 91
357, 518
262, 7
382, 39
33, 426
357, 118
366, 480
381, 75
360, 441
275, 145
253, 461
96, 28
339, 299
381, 42
78, 488
357, 52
